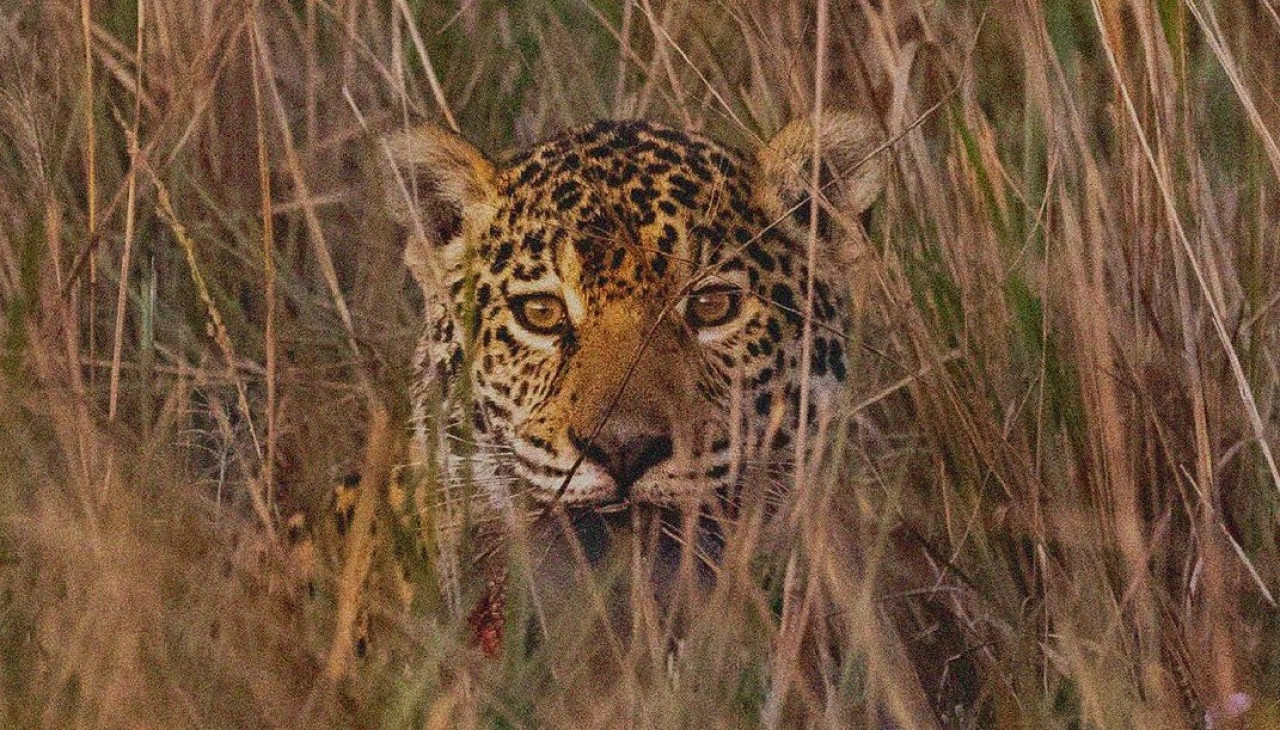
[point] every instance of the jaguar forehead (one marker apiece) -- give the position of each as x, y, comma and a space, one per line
627, 200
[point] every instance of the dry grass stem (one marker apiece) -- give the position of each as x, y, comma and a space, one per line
1048, 497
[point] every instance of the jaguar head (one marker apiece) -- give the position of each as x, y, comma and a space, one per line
626, 303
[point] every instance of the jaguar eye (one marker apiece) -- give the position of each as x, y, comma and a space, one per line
542, 314
713, 307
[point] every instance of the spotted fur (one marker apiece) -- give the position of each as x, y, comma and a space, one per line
629, 229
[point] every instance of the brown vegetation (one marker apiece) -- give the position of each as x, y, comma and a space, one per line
1067, 390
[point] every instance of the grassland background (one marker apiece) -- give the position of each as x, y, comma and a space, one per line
1067, 387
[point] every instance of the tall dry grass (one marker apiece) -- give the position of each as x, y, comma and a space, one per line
1065, 396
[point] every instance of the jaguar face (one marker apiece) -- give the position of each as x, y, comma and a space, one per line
627, 302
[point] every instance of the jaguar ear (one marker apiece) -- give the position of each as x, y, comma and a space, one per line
850, 180
435, 184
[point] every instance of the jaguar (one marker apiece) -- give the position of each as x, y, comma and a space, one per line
623, 317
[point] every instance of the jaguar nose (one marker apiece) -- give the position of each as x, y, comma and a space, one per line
626, 459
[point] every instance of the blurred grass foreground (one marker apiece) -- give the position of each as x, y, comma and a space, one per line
1068, 388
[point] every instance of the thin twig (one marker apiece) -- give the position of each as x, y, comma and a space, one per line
268, 256
130, 217
164, 208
